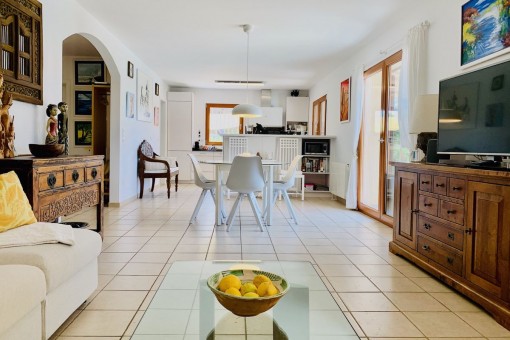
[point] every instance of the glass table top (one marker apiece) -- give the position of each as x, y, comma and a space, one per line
184, 308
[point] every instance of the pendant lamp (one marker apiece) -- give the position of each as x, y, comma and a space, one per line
247, 110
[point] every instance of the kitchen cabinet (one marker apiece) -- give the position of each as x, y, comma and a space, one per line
455, 224
207, 169
297, 109
179, 131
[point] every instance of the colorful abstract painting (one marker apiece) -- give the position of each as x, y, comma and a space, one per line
345, 94
485, 28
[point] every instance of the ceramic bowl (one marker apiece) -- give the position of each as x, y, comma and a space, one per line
46, 150
242, 306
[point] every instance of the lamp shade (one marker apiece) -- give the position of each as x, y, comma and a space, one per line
425, 114
247, 111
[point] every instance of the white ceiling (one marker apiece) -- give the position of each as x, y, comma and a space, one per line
294, 43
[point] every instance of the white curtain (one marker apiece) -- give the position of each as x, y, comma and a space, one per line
412, 79
351, 201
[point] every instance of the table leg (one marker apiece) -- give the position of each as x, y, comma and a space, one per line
269, 201
218, 196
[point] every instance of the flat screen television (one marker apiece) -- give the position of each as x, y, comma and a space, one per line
474, 112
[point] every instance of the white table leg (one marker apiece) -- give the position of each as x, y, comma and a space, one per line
219, 196
269, 201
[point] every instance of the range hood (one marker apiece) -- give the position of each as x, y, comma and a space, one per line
265, 98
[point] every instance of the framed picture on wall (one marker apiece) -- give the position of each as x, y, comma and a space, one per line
83, 103
144, 93
130, 70
156, 115
345, 100
130, 105
484, 36
156, 89
82, 133
88, 72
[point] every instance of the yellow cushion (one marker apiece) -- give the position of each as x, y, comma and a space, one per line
15, 210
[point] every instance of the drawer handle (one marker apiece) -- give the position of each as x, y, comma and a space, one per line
468, 231
441, 185
94, 172
449, 260
75, 176
450, 212
451, 236
51, 180
425, 182
456, 188
426, 247
427, 226
415, 211
427, 204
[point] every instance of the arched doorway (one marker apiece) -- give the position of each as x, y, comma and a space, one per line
86, 89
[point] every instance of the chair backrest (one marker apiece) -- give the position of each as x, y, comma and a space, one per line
145, 149
200, 179
237, 146
291, 171
246, 174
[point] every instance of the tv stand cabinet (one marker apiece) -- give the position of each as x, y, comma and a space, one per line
455, 224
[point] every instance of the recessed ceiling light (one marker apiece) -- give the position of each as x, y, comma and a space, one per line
240, 82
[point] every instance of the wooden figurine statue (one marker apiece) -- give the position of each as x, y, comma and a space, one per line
63, 137
6, 124
52, 124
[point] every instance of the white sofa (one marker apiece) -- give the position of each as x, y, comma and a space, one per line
70, 276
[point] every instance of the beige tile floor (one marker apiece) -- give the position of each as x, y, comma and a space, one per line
382, 295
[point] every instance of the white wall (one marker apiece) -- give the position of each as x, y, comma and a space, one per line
60, 20
443, 62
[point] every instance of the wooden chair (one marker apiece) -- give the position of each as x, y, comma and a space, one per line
150, 165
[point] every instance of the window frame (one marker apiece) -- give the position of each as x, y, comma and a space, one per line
208, 107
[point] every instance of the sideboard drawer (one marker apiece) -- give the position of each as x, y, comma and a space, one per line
428, 205
426, 182
456, 188
450, 236
51, 180
74, 176
440, 185
440, 254
93, 173
453, 212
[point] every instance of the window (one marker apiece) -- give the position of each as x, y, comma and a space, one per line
219, 121
21, 49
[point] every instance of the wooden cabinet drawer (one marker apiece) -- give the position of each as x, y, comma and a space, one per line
453, 212
428, 205
440, 254
74, 176
440, 185
450, 236
51, 180
426, 182
93, 173
456, 188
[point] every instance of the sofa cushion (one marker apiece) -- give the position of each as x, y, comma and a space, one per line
58, 261
15, 210
23, 289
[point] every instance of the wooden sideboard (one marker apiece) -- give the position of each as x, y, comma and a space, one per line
60, 186
455, 224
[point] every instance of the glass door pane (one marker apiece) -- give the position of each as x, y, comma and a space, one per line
371, 141
394, 152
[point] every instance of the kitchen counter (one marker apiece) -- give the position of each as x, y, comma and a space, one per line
280, 136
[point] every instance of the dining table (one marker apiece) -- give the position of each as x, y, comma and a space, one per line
222, 166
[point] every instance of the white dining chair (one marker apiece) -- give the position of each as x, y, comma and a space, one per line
207, 185
281, 186
246, 178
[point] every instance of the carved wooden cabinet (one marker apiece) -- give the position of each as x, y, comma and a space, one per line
455, 224
60, 186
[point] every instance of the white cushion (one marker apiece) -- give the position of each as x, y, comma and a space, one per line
157, 166
172, 171
59, 262
23, 289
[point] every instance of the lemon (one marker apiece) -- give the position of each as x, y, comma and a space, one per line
248, 287
233, 291
257, 280
229, 281
251, 295
263, 288
271, 290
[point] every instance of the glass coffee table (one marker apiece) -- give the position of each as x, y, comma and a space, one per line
184, 308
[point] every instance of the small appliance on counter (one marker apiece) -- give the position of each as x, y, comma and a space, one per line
297, 128
269, 130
